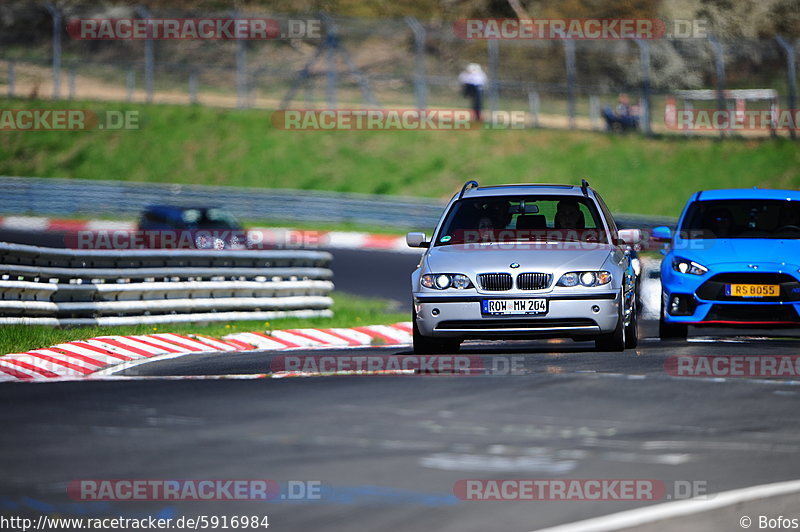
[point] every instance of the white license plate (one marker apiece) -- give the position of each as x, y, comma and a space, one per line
505, 307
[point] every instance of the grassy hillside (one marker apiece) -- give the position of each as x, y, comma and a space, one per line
223, 147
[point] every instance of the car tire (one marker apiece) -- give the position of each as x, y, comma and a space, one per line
615, 341
424, 345
668, 331
632, 329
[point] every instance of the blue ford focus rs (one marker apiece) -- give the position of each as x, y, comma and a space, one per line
734, 260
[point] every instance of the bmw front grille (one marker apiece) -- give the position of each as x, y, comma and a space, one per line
495, 282
533, 281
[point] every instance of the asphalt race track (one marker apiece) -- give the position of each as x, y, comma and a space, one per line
387, 451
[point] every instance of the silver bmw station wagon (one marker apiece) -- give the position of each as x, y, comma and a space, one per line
524, 261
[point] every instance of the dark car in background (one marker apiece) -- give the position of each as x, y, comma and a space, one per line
191, 226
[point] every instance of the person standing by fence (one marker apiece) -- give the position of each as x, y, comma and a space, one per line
472, 80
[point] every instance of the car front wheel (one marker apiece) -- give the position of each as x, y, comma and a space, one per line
632, 329
668, 330
615, 341
424, 345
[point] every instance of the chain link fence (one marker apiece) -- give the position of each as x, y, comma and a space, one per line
335, 62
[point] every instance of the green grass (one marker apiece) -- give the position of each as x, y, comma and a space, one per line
349, 311
193, 144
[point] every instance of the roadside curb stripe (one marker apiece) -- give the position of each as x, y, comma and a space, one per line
185, 344
101, 351
55, 352
300, 340
54, 360
348, 340
285, 341
16, 373
78, 352
32, 368
405, 327
199, 342
158, 343
236, 344
255, 341
316, 335
357, 336
104, 344
386, 334
129, 344
102, 354
216, 344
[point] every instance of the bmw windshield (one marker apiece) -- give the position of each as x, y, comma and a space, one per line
505, 219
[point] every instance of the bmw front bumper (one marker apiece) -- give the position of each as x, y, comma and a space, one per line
574, 315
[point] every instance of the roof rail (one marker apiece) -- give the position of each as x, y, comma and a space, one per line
467, 186
585, 187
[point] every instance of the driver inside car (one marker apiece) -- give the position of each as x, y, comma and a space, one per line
788, 219
569, 215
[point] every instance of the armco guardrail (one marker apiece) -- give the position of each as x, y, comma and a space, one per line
82, 197
50, 286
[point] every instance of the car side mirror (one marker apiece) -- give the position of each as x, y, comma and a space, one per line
417, 240
661, 234
630, 237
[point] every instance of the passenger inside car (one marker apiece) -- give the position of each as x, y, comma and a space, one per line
569, 216
719, 221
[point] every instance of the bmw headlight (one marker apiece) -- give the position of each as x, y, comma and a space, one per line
569, 279
587, 278
443, 281
688, 266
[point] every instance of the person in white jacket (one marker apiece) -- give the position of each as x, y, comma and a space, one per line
473, 80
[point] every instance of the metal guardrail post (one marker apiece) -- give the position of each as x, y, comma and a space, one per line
420, 79
193, 87
242, 89
332, 39
130, 84
594, 111
149, 57
71, 82
494, 59
644, 59
55, 13
11, 78
719, 59
569, 58
791, 78
534, 105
